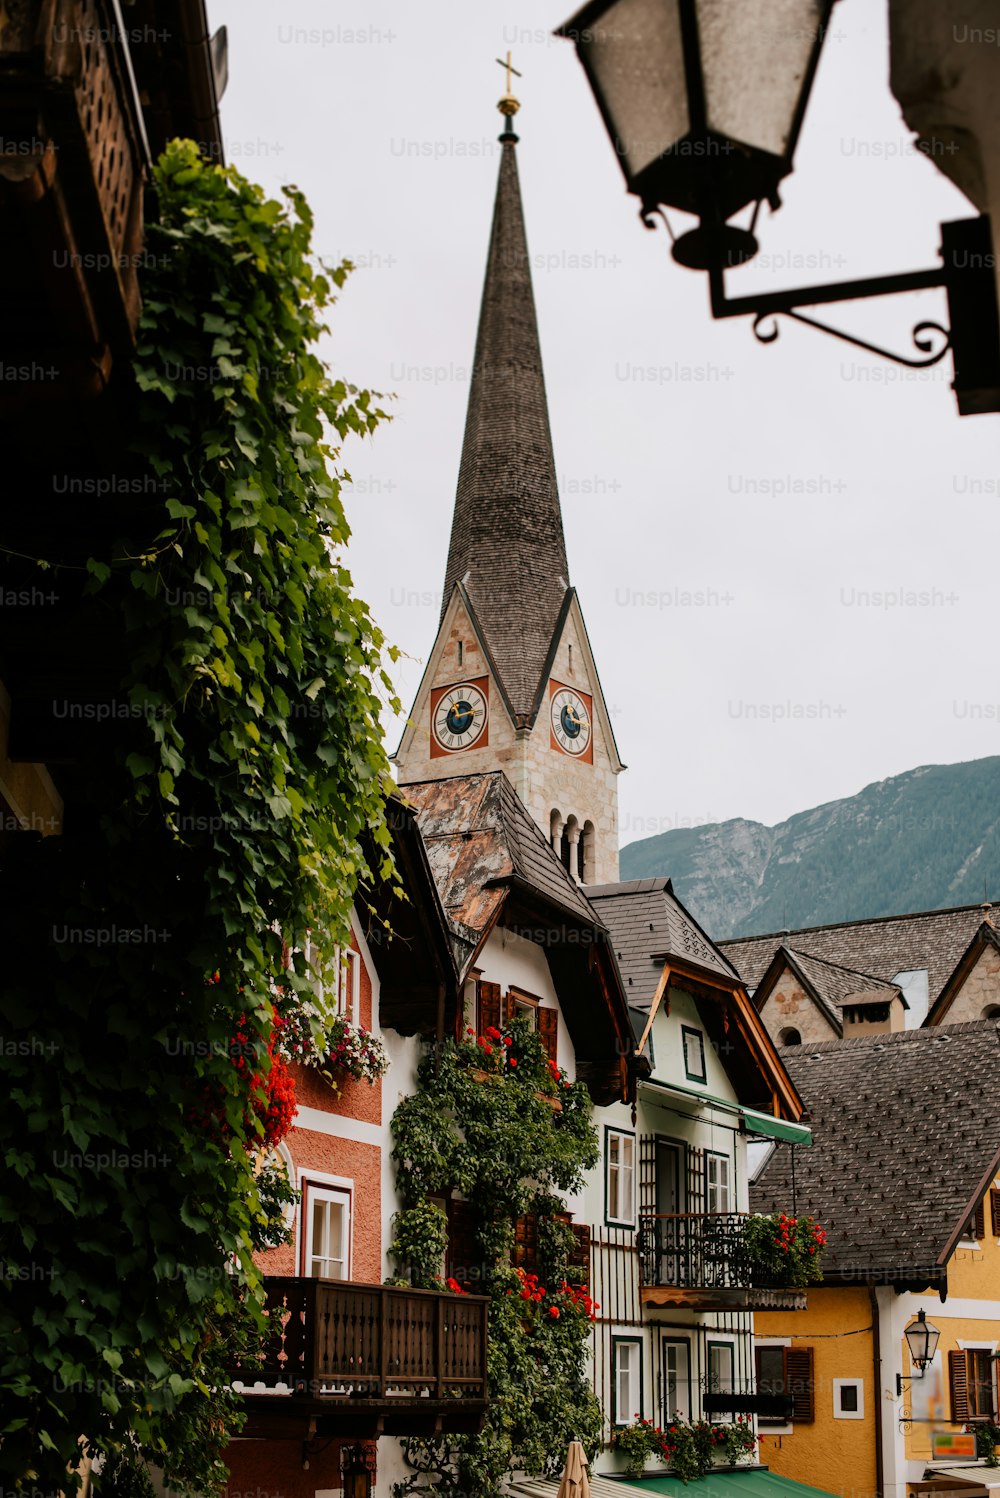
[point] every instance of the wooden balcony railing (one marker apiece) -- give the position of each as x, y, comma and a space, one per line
335, 1345
702, 1260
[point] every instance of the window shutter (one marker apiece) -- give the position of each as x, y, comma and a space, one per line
580, 1257
978, 1220
995, 1212
463, 1252
509, 1007
526, 1244
799, 1383
548, 1029
958, 1378
488, 1006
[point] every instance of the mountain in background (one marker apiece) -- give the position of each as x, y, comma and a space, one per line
918, 841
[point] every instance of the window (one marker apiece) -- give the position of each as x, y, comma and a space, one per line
676, 1381
786, 1371
327, 1237
348, 968
848, 1399
626, 1397
789, 1037
694, 1054
975, 1228
620, 1177
717, 1176
720, 1373
970, 1374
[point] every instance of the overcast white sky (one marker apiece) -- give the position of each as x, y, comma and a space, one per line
719, 603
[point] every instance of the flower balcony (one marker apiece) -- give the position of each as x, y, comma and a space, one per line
345, 1359
710, 1261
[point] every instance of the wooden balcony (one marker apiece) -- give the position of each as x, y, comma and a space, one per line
367, 1360
699, 1261
71, 199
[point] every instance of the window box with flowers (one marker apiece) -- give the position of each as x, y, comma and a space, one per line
783, 1251
497, 1061
355, 1052
688, 1448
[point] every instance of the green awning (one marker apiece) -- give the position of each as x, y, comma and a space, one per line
752, 1484
776, 1128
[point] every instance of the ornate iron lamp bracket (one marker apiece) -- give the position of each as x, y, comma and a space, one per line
930, 338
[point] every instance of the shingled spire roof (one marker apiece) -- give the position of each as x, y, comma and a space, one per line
507, 541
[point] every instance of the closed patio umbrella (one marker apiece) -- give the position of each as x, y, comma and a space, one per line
574, 1482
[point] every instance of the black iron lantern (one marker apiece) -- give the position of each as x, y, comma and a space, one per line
922, 1338
703, 100
357, 1467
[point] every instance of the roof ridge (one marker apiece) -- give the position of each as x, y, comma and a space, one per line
841, 967
871, 920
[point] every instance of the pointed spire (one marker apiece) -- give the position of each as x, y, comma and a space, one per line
507, 543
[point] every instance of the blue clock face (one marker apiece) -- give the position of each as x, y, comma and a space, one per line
571, 725
460, 716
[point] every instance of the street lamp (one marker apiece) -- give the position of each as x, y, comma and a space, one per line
922, 1338
703, 100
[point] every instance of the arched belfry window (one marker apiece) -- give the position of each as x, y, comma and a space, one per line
570, 851
587, 854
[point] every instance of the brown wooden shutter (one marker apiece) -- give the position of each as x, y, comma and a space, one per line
958, 1379
995, 1212
487, 1006
463, 1252
976, 1224
526, 1244
548, 1029
510, 1008
580, 1257
799, 1383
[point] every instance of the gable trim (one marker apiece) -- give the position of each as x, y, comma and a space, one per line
984, 937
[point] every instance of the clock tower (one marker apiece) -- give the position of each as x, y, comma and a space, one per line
511, 683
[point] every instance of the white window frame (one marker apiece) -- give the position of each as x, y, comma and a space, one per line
848, 1383
679, 1344
622, 1171
631, 1368
347, 965
718, 1188
316, 1187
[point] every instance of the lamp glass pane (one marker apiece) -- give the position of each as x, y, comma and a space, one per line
634, 55
755, 55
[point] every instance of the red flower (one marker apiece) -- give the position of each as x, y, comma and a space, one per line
554, 1311
512, 1060
470, 1031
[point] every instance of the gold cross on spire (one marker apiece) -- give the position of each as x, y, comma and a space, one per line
508, 104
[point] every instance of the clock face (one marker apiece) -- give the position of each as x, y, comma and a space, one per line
460, 716
570, 721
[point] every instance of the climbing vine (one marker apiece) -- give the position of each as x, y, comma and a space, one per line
224, 810
498, 1123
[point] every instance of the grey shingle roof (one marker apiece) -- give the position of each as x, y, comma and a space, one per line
835, 984
934, 940
479, 837
904, 1134
646, 921
507, 537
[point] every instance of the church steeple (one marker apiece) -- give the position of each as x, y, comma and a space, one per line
511, 683
507, 543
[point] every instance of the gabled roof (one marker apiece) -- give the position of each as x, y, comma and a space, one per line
660, 945
649, 924
883, 947
829, 985
507, 546
491, 866
904, 1147
479, 839
986, 936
